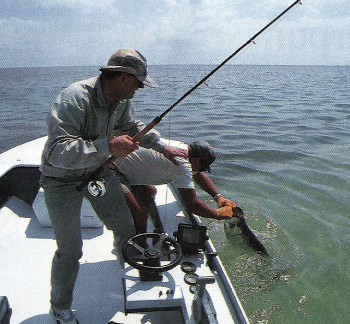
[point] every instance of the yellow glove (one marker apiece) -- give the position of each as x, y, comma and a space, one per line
225, 212
222, 201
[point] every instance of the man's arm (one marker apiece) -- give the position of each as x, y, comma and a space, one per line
151, 139
207, 184
197, 206
66, 148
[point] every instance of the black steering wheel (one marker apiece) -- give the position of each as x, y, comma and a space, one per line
146, 251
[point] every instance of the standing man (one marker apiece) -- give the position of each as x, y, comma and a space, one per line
90, 121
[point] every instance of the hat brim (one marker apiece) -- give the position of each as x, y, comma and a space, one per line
148, 81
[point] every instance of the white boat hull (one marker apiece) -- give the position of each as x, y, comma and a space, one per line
104, 293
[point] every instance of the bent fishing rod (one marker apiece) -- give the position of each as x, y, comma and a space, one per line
92, 176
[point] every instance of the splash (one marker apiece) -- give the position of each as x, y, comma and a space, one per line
253, 273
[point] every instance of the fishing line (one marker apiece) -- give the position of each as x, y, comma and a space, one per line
92, 176
167, 191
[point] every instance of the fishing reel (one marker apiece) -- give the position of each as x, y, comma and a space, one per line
97, 187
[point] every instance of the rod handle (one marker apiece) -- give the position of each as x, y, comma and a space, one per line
112, 159
144, 131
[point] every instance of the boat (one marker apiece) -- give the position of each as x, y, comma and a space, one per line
172, 273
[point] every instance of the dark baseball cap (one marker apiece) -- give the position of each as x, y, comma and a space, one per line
205, 152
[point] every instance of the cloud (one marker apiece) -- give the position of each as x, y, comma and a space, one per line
83, 7
80, 32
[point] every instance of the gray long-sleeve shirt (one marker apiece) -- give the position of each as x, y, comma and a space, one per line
80, 124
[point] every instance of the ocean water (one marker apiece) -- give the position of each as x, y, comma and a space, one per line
281, 134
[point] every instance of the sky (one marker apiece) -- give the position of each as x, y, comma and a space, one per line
88, 32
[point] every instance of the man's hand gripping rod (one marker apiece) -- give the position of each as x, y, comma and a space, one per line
92, 176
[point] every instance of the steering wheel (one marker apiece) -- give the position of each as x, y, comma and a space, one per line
145, 251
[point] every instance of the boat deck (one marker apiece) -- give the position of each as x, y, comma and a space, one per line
27, 250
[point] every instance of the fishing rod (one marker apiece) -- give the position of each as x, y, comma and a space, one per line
92, 176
